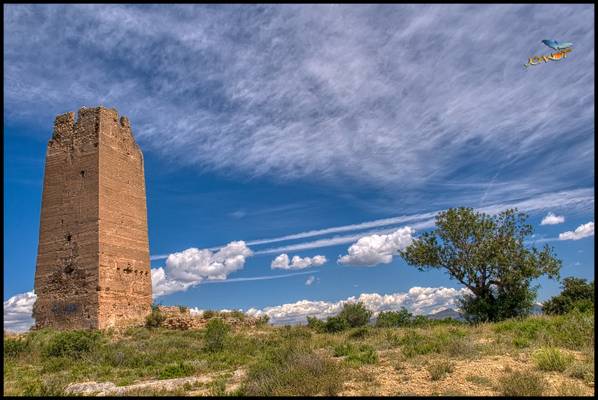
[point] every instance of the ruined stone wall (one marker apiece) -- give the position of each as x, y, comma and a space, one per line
93, 266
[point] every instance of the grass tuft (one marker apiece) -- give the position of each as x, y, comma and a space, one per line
552, 359
439, 369
521, 383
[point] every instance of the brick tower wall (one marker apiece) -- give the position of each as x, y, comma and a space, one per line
93, 266
125, 278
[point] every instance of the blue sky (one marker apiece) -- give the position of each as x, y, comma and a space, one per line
262, 122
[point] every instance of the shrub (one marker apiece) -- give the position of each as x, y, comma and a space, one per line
343, 349
216, 334
479, 380
176, 370
207, 314
438, 369
521, 383
552, 359
237, 314
360, 333
155, 319
13, 347
390, 319
363, 354
263, 320
584, 371
571, 389
316, 324
293, 371
576, 293
335, 324
183, 309
71, 344
356, 314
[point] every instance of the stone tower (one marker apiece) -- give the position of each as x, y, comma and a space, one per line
93, 267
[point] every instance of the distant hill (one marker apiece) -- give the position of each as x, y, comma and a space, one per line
446, 313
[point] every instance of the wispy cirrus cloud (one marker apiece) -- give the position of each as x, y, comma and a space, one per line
374, 93
577, 199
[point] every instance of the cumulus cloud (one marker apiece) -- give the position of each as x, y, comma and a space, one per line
552, 219
418, 300
193, 265
581, 232
282, 262
18, 312
377, 249
190, 267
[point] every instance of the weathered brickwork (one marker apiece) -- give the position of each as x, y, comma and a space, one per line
93, 268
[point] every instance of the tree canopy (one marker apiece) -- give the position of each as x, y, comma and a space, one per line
488, 255
576, 293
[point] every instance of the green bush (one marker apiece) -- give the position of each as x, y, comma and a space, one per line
72, 344
335, 324
237, 314
521, 383
365, 354
438, 369
207, 314
183, 309
216, 334
583, 371
552, 359
177, 370
355, 355
360, 333
389, 319
155, 319
316, 324
576, 293
356, 314
263, 320
13, 347
293, 371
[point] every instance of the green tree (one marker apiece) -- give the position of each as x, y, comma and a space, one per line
389, 319
576, 293
216, 334
487, 254
356, 314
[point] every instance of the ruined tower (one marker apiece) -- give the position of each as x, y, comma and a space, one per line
93, 267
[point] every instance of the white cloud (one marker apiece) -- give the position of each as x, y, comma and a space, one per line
330, 96
18, 312
552, 219
311, 279
581, 232
163, 285
282, 262
190, 267
194, 265
417, 300
377, 249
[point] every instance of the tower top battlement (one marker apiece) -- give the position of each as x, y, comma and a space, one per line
88, 120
